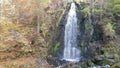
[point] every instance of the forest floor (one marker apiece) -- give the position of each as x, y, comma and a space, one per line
19, 62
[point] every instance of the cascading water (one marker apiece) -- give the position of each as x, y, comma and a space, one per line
71, 49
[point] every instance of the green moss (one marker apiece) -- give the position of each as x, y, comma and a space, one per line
82, 44
60, 18
116, 10
105, 61
117, 1
110, 27
86, 11
90, 63
56, 47
88, 26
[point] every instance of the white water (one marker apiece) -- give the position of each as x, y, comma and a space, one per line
71, 49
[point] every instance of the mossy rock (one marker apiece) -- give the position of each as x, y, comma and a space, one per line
117, 65
105, 61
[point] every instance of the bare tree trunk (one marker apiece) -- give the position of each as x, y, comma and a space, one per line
101, 8
1, 9
91, 9
38, 25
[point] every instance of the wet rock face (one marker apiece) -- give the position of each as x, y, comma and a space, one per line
101, 37
117, 65
59, 31
98, 34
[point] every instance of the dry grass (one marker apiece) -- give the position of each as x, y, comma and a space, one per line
19, 63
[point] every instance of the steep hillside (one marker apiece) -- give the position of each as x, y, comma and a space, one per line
27, 30
32, 33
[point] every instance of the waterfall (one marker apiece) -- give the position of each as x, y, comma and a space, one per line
71, 49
